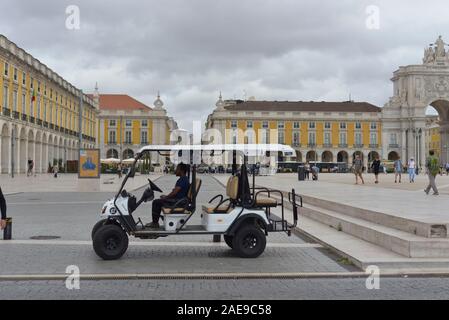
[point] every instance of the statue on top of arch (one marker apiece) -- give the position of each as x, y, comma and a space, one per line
439, 53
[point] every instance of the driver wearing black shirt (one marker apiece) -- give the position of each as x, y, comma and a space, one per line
2, 210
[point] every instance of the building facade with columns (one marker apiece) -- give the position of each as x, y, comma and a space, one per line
40, 113
318, 131
415, 87
127, 124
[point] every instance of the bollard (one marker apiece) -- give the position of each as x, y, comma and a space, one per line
216, 238
7, 232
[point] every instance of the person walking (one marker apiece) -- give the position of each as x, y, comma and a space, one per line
411, 168
307, 169
357, 167
397, 169
432, 169
55, 171
119, 170
2, 210
376, 168
447, 168
30, 168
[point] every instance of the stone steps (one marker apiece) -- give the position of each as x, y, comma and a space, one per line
403, 243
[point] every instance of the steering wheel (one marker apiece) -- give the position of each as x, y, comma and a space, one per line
153, 186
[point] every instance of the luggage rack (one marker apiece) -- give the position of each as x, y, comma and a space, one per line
279, 224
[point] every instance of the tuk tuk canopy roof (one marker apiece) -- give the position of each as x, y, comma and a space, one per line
245, 149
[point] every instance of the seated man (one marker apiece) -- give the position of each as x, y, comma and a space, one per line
179, 192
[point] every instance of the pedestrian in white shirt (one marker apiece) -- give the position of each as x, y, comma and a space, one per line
411, 167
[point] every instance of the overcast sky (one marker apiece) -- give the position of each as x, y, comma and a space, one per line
192, 49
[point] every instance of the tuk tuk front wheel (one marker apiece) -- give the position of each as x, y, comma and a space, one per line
110, 242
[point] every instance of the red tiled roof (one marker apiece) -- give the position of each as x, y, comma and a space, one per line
120, 102
346, 106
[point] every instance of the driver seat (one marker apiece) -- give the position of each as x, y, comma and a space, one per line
186, 209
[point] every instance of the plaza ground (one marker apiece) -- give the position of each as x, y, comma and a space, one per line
68, 216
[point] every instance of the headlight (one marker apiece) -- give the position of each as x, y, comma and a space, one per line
112, 211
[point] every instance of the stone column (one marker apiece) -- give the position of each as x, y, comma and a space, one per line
422, 156
403, 143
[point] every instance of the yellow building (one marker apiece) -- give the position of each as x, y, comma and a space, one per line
127, 124
39, 113
318, 131
432, 135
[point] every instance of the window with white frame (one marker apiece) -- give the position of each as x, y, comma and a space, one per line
5, 97
373, 126
15, 75
144, 123
112, 123
23, 103
358, 125
6, 69
358, 138
249, 124
312, 138
265, 124
143, 137
14, 100
45, 110
24, 78
343, 139
233, 123
342, 125
128, 123
296, 138
281, 124
112, 138
281, 137
327, 125
234, 136
31, 83
38, 104
311, 125
296, 125
327, 138
373, 138
128, 136
393, 138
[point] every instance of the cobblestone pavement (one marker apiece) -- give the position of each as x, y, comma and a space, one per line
349, 288
72, 215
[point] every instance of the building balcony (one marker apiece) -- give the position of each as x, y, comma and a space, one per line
45, 124
6, 112
358, 145
52, 126
327, 145
374, 145
393, 145
15, 115
24, 117
311, 145
57, 128
342, 145
296, 145
38, 121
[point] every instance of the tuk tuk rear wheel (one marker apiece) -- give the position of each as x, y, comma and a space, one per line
228, 240
249, 241
110, 242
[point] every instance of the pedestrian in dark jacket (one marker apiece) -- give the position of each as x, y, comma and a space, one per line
2, 210
376, 168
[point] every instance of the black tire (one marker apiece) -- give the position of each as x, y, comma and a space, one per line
228, 240
110, 242
249, 241
97, 226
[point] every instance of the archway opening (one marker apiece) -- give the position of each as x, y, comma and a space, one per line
327, 156
6, 141
372, 156
311, 156
342, 156
128, 153
393, 155
112, 153
298, 156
